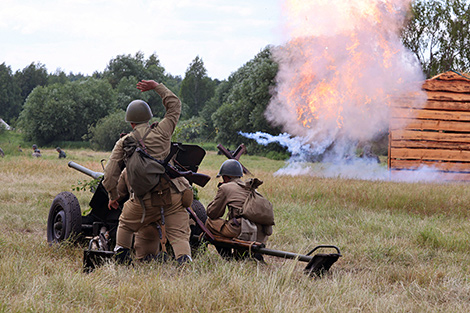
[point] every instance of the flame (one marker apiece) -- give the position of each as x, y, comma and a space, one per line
341, 68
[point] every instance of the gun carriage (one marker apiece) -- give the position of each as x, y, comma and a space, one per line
97, 228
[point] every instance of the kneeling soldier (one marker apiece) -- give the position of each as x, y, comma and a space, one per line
232, 194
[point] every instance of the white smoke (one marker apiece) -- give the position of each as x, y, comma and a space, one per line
338, 75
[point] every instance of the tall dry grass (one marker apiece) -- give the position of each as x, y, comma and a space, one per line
405, 248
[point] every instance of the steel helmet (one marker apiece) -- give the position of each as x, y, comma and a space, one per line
231, 168
138, 111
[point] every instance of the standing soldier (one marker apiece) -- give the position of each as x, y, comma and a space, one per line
2, 154
147, 222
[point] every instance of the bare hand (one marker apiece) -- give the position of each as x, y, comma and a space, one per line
146, 85
113, 204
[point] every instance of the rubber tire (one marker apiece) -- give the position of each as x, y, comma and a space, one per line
65, 218
197, 245
201, 213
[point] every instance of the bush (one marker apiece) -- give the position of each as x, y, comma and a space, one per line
272, 151
189, 130
107, 131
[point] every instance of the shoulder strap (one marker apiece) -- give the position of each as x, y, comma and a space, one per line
141, 140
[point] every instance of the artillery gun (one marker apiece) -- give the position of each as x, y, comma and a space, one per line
98, 227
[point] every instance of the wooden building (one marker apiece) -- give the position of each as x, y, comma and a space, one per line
436, 135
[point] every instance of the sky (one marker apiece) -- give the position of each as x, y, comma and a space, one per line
82, 36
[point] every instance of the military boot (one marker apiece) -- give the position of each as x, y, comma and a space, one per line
184, 259
123, 256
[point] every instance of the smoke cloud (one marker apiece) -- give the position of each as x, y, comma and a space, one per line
338, 76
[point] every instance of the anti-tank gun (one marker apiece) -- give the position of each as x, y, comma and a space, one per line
97, 227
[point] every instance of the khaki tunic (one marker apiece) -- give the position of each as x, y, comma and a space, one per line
158, 143
231, 195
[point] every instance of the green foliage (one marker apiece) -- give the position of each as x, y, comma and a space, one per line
208, 131
30, 77
59, 77
438, 33
104, 135
124, 66
65, 111
85, 185
189, 130
173, 83
246, 100
10, 141
275, 155
123, 73
10, 95
154, 69
196, 89
127, 92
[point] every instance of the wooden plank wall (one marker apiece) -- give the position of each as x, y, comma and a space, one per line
436, 135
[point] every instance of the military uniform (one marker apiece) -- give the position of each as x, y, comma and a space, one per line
231, 195
61, 152
158, 143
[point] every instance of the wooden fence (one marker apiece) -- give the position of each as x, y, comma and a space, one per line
436, 135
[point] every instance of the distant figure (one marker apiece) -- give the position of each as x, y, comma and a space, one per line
19, 148
61, 153
2, 154
36, 152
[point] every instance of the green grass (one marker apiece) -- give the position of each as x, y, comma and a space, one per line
405, 248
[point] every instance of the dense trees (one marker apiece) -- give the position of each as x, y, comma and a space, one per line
30, 77
124, 71
62, 112
196, 89
10, 95
438, 33
246, 99
60, 106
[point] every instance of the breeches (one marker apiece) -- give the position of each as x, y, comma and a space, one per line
224, 228
147, 239
229, 229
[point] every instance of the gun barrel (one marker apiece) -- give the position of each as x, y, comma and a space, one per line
85, 170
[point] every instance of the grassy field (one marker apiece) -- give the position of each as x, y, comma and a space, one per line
405, 248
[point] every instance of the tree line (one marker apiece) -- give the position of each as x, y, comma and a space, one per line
72, 107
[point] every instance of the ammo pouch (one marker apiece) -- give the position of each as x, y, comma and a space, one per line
187, 198
249, 231
161, 194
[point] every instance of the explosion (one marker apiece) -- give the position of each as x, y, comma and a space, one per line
338, 75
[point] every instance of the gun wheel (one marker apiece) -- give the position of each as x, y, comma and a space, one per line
65, 218
194, 242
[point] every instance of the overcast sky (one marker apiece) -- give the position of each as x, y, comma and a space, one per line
82, 36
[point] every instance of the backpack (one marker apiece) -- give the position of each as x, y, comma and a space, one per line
257, 208
143, 173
